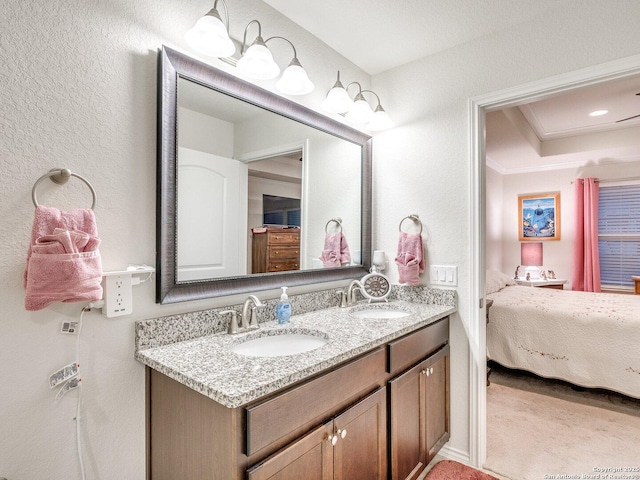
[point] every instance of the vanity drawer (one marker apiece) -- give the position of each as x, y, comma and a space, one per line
295, 411
283, 237
412, 348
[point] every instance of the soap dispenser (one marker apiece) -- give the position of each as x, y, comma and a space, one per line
283, 308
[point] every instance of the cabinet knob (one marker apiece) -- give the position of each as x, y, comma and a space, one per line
431, 370
342, 433
425, 372
333, 439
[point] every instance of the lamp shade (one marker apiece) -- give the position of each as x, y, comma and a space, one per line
337, 101
360, 111
380, 120
531, 254
209, 36
257, 62
294, 80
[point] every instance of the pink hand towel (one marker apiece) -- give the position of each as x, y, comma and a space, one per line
336, 251
63, 261
410, 258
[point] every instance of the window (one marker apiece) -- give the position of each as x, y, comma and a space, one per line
619, 234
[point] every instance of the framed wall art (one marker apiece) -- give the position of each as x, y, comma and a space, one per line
539, 216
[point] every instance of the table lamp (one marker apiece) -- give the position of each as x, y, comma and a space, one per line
531, 258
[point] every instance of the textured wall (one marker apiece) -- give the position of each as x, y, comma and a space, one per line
79, 91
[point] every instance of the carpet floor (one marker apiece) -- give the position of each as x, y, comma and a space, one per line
544, 429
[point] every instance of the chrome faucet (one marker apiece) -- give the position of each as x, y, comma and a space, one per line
342, 297
251, 323
248, 320
354, 286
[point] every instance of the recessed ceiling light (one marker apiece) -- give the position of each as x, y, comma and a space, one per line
597, 113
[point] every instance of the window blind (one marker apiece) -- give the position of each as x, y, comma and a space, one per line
619, 234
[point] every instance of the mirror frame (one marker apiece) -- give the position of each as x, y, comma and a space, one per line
171, 66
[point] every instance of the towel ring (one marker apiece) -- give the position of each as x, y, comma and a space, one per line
413, 217
337, 221
61, 176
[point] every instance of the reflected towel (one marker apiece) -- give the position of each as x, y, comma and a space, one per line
410, 258
63, 261
336, 250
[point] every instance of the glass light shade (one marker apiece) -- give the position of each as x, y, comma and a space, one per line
209, 36
257, 62
380, 120
337, 100
295, 81
360, 112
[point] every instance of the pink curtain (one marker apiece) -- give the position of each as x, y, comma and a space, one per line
586, 261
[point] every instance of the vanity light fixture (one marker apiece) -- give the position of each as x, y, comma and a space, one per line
210, 36
257, 62
357, 110
294, 79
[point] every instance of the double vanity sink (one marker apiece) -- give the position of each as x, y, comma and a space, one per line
236, 369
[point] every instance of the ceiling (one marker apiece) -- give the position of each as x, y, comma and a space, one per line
378, 35
557, 132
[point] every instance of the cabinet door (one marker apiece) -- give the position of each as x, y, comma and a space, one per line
361, 449
408, 424
310, 458
437, 401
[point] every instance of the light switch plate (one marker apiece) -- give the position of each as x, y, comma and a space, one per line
445, 275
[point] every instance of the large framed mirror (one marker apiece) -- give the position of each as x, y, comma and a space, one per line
254, 191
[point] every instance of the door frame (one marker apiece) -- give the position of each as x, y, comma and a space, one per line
478, 107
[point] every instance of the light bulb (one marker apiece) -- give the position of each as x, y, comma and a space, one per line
209, 36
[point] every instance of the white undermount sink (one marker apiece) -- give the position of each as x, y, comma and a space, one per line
382, 310
279, 345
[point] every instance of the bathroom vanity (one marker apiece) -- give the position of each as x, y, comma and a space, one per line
372, 403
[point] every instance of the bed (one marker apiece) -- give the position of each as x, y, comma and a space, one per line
587, 339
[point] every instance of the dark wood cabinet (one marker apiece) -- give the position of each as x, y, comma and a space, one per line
331, 426
419, 406
275, 249
351, 446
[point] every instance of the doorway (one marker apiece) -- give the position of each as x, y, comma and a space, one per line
478, 107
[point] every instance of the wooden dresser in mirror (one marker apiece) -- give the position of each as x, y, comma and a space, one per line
275, 249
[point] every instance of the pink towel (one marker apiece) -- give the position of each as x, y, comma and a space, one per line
63, 261
336, 251
410, 258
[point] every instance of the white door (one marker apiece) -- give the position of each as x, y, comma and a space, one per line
212, 216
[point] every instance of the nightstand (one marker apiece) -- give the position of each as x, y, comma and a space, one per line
636, 280
558, 284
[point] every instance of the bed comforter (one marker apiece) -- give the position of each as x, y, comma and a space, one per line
588, 339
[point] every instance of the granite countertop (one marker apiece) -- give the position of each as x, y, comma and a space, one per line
207, 365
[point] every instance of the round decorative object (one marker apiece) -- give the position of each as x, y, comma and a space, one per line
375, 286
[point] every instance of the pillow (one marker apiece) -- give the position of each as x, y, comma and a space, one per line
497, 281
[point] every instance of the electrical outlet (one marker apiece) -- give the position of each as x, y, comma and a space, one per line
118, 295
